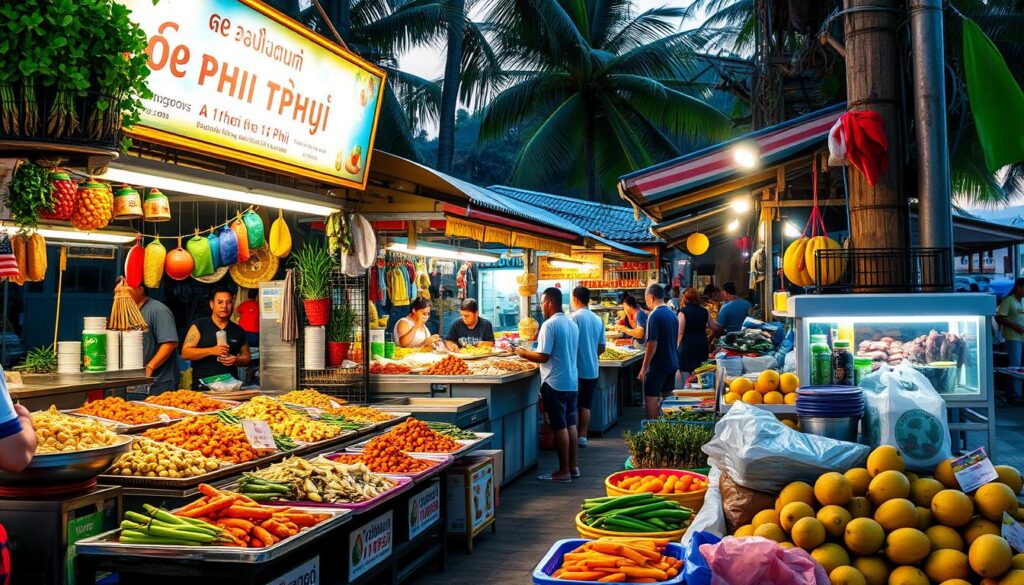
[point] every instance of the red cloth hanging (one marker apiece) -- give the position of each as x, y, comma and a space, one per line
859, 137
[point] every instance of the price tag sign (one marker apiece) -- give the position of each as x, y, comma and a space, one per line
313, 413
1013, 532
335, 404
974, 470
259, 434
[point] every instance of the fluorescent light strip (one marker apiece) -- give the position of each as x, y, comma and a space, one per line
76, 236
241, 196
569, 264
447, 252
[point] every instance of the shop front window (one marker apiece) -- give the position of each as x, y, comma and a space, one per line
499, 297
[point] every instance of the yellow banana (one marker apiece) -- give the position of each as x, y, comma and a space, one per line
793, 262
280, 237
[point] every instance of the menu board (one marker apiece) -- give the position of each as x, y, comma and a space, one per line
590, 266
239, 80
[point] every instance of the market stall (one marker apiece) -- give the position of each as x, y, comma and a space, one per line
72, 390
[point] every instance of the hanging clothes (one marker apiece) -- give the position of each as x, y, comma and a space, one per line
397, 285
410, 270
997, 102
381, 283
859, 137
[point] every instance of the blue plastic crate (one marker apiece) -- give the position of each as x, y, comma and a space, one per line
553, 561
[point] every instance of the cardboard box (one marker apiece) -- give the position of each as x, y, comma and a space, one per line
471, 506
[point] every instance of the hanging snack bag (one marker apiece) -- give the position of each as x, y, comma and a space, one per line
214, 249
242, 236
199, 248
228, 247
254, 229
153, 263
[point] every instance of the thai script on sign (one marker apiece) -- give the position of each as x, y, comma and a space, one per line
257, 40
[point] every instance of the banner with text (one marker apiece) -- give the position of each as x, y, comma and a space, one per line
237, 79
581, 266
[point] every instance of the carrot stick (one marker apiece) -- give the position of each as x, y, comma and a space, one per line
238, 511
609, 548
594, 563
581, 575
236, 523
214, 506
256, 543
613, 578
269, 539
209, 491
640, 572
302, 519
633, 555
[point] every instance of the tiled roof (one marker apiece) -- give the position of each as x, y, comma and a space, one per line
611, 221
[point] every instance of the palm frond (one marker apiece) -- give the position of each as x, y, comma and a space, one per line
420, 98
647, 27
482, 72
522, 101
553, 147
679, 114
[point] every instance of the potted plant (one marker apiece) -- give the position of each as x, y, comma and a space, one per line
315, 265
339, 334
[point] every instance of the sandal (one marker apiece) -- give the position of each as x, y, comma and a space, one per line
575, 473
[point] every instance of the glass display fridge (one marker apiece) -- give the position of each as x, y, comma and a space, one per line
947, 337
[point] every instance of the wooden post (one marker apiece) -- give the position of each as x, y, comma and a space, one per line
878, 214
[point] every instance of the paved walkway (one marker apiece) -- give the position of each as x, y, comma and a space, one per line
533, 515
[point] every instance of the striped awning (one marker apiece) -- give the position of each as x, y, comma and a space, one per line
653, 186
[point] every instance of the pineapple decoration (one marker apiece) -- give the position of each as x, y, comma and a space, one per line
95, 206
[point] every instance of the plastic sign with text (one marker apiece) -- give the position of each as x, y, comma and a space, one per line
579, 266
239, 80
973, 470
259, 434
370, 545
308, 573
424, 510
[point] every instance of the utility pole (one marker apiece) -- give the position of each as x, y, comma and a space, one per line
878, 214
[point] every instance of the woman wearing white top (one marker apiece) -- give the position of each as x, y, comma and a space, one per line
412, 331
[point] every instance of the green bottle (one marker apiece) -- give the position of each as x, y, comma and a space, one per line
821, 361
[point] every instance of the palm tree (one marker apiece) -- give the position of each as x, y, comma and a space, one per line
596, 89
733, 24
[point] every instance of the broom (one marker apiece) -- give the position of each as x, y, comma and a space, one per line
125, 314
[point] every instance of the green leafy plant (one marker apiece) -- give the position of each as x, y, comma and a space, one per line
342, 324
67, 50
41, 360
29, 192
315, 266
668, 445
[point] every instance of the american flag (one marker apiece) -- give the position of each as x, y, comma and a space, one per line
8, 263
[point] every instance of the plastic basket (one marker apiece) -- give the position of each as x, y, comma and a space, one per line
588, 532
552, 561
691, 500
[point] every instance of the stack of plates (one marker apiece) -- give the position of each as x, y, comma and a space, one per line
94, 323
314, 349
830, 401
131, 350
69, 357
113, 351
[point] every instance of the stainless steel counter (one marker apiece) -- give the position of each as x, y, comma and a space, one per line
620, 363
72, 390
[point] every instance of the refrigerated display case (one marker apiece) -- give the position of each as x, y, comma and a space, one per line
945, 336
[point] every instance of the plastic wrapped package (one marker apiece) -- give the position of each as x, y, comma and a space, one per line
710, 518
760, 453
759, 561
903, 409
695, 567
740, 504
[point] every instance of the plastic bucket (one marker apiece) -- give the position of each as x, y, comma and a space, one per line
318, 311
94, 351
841, 429
552, 561
692, 500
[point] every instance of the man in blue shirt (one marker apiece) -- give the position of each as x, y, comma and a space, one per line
734, 311
557, 347
17, 436
592, 344
658, 372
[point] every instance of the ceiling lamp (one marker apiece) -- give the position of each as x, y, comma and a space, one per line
746, 155
431, 250
791, 231
733, 225
740, 204
697, 243
570, 264
56, 234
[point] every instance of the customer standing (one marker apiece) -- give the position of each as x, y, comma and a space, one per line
694, 323
17, 447
734, 311
557, 346
159, 342
249, 318
592, 345
1010, 315
210, 356
658, 372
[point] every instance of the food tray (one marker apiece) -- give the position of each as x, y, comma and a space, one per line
552, 561
106, 544
403, 483
443, 462
67, 466
467, 445
121, 427
302, 448
182, 483
478, 356
231, 404
368, 426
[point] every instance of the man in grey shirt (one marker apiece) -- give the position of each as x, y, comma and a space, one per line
160, 343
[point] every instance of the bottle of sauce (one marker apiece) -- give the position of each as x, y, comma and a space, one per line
821, 361
842, 364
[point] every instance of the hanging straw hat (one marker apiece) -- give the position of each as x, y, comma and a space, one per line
260, 267
212, 278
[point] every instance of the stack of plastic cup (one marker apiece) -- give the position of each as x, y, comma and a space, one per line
94, 323
314, 348
113, 350
131, 350
69, 357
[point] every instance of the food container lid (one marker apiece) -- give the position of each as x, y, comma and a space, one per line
842, 344
155, 194
92, 183
125, 191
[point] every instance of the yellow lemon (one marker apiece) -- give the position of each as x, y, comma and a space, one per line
990, 555
835, 519
864, 536
875, 569
992, 499
846, 575
944, 473
952, 508
798, 491
792, 512
833, 488
885, 458
745, 530
1011, 477
907, 546
1013, 577
752, 397
790, 398
944, 537
907, 576
767, 381
765, 517
830, 556
1018, 561
859, 479
731, 397
740, 385
923, 490
774, 398
924, 518
978, 526
808, 533
860, 507
771, 532
888, 485
896, 513
945, 564
788, 383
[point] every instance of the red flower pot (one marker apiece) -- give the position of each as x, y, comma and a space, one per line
318, 312
337, 352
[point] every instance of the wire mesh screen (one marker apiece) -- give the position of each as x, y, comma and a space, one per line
883, 270
350, 380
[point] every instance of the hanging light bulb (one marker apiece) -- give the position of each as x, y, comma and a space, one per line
697, 243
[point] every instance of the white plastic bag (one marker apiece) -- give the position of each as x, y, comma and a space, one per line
710, 517
904, 410
759, 452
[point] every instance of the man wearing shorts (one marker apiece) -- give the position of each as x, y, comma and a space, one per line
557, 346
658, 372
592, 344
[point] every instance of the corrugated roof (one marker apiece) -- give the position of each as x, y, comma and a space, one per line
614, 222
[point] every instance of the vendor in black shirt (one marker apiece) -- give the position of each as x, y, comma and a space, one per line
470, 326
201, 348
